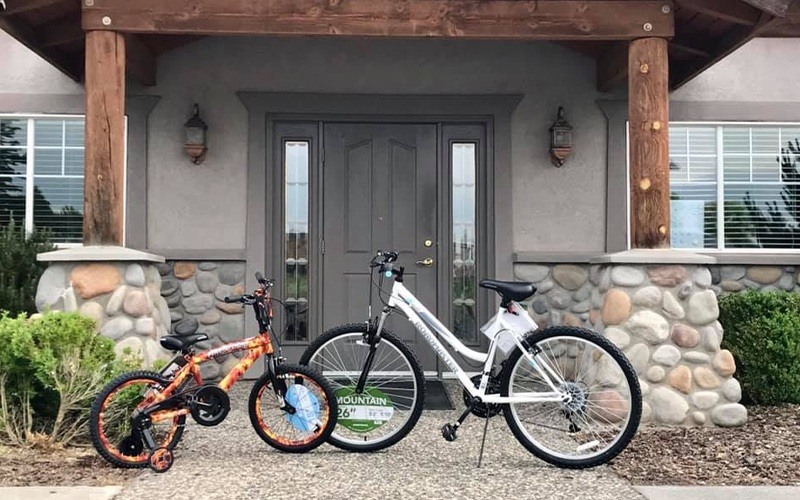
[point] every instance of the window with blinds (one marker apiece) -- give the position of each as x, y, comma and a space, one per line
735, 185
41, 175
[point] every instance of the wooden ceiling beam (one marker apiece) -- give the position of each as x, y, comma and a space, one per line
689, 49
612, 67
60, 32
70, 66
14, 7
778, 8
140, 61
725, 10
489, 19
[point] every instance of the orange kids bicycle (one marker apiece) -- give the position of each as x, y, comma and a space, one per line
138, 418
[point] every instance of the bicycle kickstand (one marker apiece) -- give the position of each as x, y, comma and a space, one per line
483, 441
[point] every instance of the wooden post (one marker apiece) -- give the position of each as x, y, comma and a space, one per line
103, 191
648, 115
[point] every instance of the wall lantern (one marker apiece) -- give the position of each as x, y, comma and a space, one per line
560, 140
195, 144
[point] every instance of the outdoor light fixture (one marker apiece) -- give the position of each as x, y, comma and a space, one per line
195, 144
560, 140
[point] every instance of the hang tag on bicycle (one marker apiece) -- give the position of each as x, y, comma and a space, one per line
511, 324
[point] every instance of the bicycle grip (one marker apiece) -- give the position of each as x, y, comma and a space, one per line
231, 300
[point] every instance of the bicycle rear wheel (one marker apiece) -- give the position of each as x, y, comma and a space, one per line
394, 392
605, 407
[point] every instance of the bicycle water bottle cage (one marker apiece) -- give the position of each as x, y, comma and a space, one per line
515, 291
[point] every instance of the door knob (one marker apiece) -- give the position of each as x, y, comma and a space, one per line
425, 262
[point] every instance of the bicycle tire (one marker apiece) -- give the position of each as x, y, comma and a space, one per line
344, 438
269, 431
101, 440
590, 410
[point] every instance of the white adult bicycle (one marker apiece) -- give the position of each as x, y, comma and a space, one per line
569, 395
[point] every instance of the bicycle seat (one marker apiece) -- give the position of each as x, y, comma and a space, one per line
175, 343
510, 290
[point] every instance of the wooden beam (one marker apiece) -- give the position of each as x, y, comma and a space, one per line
489, 19
648, 118
60, 32
27, 37
612, 67
14, 7
140, 61
688, 49
777, 8
103, 190
726, 10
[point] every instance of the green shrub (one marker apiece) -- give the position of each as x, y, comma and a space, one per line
50, 370
762, 331
19, 270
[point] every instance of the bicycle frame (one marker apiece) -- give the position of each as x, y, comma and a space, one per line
422, 319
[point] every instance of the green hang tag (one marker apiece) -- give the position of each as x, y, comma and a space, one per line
363, 412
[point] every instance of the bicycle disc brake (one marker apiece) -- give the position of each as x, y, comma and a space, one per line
210, 405
483, 410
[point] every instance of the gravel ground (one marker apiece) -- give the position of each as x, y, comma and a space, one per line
231, 462
68, 467
762, 452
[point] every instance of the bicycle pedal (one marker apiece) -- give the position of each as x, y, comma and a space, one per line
449, 432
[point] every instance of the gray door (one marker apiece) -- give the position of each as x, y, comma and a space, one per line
379, 190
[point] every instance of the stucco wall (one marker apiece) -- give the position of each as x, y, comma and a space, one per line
205, 207
23, 72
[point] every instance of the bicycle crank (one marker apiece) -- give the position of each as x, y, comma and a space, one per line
210, 405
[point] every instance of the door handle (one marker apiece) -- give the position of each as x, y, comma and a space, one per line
426, 262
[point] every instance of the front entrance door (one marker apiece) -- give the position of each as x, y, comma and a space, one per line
380, 193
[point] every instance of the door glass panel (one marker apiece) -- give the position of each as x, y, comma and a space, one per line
463, 159
295, 276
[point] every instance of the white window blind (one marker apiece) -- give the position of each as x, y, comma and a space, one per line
735, 185
41, 175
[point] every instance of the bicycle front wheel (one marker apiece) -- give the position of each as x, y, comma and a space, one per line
605, 404
393, 396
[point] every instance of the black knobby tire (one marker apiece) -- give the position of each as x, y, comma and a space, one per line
263, 389
112, 455
419, 378
623, 364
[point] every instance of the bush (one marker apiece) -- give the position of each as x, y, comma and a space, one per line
50, 370
762, 330
19, 270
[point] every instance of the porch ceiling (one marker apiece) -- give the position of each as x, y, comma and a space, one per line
705, 31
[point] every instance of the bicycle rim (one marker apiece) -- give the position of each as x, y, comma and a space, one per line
596, 419
390, 394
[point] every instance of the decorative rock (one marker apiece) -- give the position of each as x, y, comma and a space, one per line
545, 286
134, 275
211, 317
555, 318
638, 356
145, 326
724, 363
223, 291
649, 296
559, 299
644, 386
729, 415
207, 266
131, 347
616, 307
650, 326
70, 301
685, 290
188, 288
174, 300
626, 276
702, 278
681, 379
731, 286
163, 311
716, 275
705, 378
765, 275
704, 400
115, 301
135, 303
618, 337
198, 304
50, 289
594, 274
116, 328
582, 307
703, 308
569, 276
710, 338
209, 371
786, 282
752, 285
605, 279
685, 336
647, 412
230, 308
732, 273
667, 276
231, 273
169, 286
609, 405
524, 272
184, 270
186, 326
231, 328
583, 293
667, 355
699, 417
697, 357
732, 390
671, 307
539, 305
91, 280
164, 268
206, 282
175, 316
669, 407
94, 311
656, 374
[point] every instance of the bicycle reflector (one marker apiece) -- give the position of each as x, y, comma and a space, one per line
306, 405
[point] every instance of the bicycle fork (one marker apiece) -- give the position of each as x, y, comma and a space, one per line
372, 341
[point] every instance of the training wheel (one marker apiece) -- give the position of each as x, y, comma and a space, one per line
161, 460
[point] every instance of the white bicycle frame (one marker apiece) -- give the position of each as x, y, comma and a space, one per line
402, 299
